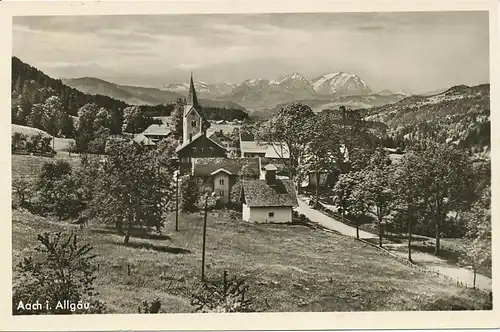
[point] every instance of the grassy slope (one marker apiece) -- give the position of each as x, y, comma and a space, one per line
290, 266
28, 167
60, 144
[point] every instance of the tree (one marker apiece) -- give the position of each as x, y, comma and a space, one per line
373, 192
18, 142
288, 131
64, 271
446, 180
343, 200
135, 119
129, 186
323, 151
177, 118
52, 114
409, 200
59, 190
92, 130
189, 194
477, 251
35, 118
66, 126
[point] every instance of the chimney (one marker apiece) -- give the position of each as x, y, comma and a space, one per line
270, 174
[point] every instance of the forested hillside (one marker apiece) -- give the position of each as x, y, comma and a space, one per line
460, 115
33, 85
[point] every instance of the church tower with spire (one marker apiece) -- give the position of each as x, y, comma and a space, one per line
193, 122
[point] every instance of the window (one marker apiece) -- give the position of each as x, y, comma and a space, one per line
190, 137
221, 181
193, 123
271, 214
222, 193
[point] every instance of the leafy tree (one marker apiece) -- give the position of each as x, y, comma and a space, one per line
374, 192
129, 186
344, 200
92, 124
63, 270
67, 126
18, 141
409, 202
189, 194
22, 191
322, 152
177, 118
477, 252
59, 191
35, 119
289, 130
52, 114
443, 190
135, 120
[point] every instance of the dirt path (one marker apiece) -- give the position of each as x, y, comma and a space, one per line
431, 262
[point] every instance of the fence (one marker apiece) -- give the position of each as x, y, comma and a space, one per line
423, 269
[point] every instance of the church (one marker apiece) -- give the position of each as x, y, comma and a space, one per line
195, 142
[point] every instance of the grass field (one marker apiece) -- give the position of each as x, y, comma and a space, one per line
28, 167
289, 268
60, 144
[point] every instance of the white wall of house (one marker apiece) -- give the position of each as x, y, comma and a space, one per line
280, 214
221, 186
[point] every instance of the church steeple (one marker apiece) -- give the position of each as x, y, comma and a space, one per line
192, 100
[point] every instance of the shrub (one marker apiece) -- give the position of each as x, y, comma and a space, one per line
22, 192
152, 307
60, 279
222, 296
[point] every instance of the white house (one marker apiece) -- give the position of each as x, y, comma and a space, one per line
270, 200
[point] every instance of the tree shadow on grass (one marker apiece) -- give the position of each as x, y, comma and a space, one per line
160, 248
137, 233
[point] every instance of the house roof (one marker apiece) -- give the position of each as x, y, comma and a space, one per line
157, 130
257, 193
207, 166
141, 139
277, 151
221, 170
196, 137
253, 147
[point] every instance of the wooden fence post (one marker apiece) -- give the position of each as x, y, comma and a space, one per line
128, 269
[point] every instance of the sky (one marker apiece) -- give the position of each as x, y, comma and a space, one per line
413, 52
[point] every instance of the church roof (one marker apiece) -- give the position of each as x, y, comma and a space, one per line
192, 99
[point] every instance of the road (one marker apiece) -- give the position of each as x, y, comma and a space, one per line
330, 223
431, 262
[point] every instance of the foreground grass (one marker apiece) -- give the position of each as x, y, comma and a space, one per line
289, 268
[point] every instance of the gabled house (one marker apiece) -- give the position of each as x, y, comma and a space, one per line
270, 200
144, 140
222, 139
200, 146
157, 132
219, 175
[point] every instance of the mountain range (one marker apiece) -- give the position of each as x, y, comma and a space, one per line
261, 94
136, 95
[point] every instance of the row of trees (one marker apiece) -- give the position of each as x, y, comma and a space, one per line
432, 180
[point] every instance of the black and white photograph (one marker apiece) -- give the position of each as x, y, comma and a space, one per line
251, 162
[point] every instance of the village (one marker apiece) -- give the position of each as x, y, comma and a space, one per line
293, 194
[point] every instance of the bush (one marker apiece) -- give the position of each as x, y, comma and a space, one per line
224, 295
152, 307
60, 279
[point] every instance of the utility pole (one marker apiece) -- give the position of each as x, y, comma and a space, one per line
177, 201
204, 240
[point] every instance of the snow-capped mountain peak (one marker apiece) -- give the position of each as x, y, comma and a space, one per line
340, 82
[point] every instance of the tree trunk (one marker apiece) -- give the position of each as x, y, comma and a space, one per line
380, 233
317, 189
357, 230
438, 238
129, 228
409, 240
474, 281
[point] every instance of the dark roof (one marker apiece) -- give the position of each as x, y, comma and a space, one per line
196, 137
192, 99
257, 193
206, 166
